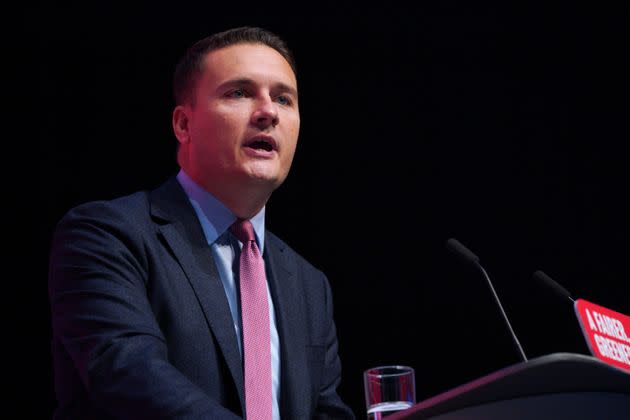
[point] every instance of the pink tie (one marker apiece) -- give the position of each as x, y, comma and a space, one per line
255, 316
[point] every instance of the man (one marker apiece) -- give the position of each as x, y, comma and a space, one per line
162, 306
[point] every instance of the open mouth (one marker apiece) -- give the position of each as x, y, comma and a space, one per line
263, 143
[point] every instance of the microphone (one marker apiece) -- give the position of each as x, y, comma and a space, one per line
555, 286
469, 257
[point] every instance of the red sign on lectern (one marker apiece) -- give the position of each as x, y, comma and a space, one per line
607, 333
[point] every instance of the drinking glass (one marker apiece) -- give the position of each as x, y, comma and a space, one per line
388, 389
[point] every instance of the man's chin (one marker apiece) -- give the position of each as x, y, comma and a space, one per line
262, 180
262, 175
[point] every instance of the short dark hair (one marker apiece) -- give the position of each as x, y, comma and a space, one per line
190, 66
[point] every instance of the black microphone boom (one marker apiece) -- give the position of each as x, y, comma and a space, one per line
468, 256
461, 251
555, 286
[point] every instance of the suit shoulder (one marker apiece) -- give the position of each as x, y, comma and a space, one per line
132, 209
278, 243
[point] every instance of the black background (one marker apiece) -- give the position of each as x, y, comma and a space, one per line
502, 126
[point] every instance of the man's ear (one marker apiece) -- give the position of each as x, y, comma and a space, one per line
181, 123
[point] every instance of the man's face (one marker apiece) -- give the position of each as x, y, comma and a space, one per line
245, 121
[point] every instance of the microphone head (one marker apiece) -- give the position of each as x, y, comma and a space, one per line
545, 279
461, 251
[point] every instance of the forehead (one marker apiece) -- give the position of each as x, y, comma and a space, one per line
252, 61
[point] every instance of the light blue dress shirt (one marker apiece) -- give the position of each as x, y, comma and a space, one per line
216, 219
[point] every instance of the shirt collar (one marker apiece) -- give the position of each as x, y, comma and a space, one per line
214, 216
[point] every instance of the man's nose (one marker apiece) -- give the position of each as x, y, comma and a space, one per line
266, 113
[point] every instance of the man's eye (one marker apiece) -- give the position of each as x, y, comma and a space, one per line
236, 93
283, 100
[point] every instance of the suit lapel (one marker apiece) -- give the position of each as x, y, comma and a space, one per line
289, 306
183, 234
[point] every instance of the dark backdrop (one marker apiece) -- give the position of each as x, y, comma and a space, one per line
504, 127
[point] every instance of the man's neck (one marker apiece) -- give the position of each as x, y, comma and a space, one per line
244, 200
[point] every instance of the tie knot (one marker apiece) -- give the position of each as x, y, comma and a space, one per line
243, 230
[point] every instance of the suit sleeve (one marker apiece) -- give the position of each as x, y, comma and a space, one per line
330, 405
103, 321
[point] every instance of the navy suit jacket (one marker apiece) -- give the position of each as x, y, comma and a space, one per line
142, 328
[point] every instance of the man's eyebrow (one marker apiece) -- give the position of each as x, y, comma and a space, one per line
283, 87
244, 81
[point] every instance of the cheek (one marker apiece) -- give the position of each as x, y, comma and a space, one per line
294, 134
217, 132
231, 117
292, 126
290, 149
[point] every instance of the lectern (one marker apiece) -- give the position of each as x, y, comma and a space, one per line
555, 386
